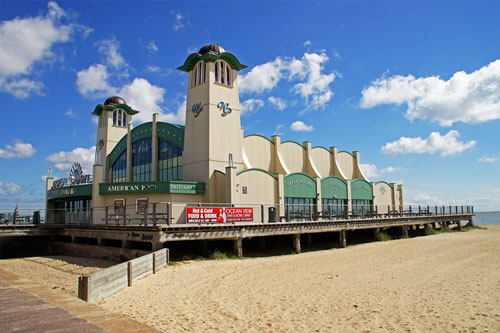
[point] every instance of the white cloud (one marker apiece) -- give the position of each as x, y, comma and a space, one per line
251, 105
469, 98
110, 49
299, 126
277, 102
26, 42
18, 150
144, 97
63, 160
280, 130
446, 145
153, 69
10, 189
71, 114
179, 21
94, 81
179, 117
152, 47
424, 199
371, 170
488, 159
262, 77
307, 43
313, 85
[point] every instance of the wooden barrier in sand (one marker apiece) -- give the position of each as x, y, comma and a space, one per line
102, 284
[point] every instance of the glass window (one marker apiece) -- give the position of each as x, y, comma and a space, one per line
124, 118
222, 73
361, 207
141, 160
198, 74
169, 161
114, 118
299, 208
119, 169
333, 207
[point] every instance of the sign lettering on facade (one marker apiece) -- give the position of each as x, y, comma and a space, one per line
218, 215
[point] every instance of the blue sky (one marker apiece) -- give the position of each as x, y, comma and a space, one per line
413, 85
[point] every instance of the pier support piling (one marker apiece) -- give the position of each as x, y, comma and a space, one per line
238, 247
296, 243
308, 239
376, 232
459, 226
404, 231
343, 238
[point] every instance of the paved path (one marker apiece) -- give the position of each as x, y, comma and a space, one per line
26, 306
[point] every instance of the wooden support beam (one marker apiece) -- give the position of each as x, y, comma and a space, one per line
459, 226
308, 239
296, 243
343, 238
376, 232
404, 231
238, 247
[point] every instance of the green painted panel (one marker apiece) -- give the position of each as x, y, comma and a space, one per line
70, 192
100, 108
361, 190
333, 188
300, 185
152, 187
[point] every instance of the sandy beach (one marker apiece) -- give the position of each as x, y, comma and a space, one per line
441, 283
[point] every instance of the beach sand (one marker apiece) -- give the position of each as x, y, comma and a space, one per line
57, 272
441, 283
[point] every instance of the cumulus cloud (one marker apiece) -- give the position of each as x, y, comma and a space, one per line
110, 49
178, 117
445, 145
300, 126
278, 103
143, 96
371, 170
279, 130
424, 199
18, 150
251, 105
63, 160
10, 189
311, 82
307, 43
488, 159
94, 81
470, 98
26, 42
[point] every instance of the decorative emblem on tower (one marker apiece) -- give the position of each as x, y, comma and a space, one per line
224, 107
197, 108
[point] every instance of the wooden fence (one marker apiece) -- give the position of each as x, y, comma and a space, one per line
102, 284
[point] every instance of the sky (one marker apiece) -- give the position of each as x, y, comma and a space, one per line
414, 86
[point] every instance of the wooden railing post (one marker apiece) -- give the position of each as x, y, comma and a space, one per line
124, 214
154, 214
106, 215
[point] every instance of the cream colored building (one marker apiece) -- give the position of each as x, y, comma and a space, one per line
210, 162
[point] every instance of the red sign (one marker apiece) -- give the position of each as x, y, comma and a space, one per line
218, 215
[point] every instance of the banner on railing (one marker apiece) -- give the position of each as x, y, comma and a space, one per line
218, 214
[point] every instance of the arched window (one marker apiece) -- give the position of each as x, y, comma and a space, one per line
141, 160
169, 160
199, 73
119, 118
119, 170
222, 73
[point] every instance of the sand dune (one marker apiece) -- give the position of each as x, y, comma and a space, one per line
442, 283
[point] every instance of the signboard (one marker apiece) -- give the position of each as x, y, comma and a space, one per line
174, 186
218, 215
76, 177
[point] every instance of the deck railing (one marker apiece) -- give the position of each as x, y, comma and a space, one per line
167, 213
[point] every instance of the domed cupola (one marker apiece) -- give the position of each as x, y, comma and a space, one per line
115, 100
215, 49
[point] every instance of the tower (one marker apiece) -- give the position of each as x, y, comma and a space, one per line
213, 125
114, 119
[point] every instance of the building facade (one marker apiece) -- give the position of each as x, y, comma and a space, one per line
210, 162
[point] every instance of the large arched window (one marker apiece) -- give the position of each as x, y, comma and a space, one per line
141, 160
119, 170
199, 74
222, 72
169, 161
119, 118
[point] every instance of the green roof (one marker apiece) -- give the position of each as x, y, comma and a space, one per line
99, 108
193, 59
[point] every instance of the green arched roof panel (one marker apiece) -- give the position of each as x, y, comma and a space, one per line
290, 141
333, 188
101, 107
299, 185
361, 190
170, 132
255, 169
193, 59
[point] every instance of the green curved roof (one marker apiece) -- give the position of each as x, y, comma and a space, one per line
99, 108
170, 132
193, 59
